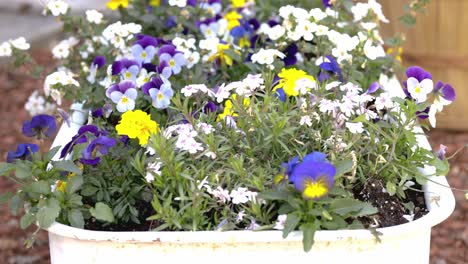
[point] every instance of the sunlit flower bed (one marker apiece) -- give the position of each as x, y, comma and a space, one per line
224, 115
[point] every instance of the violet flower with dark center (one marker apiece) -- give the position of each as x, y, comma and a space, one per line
23, 152
100, 145
155, 82
331, 67
145, 41
210, 107
40, 126
99, 61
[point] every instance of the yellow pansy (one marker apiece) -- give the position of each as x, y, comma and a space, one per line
155, 2
228, 111
288, 79
233, 19
224, 58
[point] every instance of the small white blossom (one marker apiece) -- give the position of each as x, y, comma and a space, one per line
253, 225
267, 57
57, 7
63, 77
221, 194
240, 216
211, 155
373, 52
241, 195
94, 16
20, 43
36, 104
179, 3
306, 120
5, 49
275, 32
355, 128
384, 101
279, 225
153, 169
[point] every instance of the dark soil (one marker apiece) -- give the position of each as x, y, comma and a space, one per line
391, 208
449, 240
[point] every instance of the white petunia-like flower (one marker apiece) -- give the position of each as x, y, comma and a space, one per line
36, 105
304, 85
267, 57
20, 43
419, 90
57, 7
373, 52
306, 29
275, 32
384, 101
62, 50
62, 77
94, 16
242, 195
306, 120
179, 3
5, 49
221, 195
317, 14
153, 169
279, 225
355, 128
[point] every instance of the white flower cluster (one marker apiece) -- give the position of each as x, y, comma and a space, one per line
62, 50
62, 77
94, 16
37, 104
186, 135
245, 87
241, 195
153, 169
187, 46
6, 48
57, 7
267, 57
117, 34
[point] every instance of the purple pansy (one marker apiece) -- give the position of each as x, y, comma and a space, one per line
100, 145
23, 152
123, 95
155, 82
326, 3
80, 138
40, 126
210, 107
279, 93
446, 91
441, 152
175, 59
99, 61
213, 7
161, 97
128, 69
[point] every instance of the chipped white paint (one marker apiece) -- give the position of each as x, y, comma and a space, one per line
407, 243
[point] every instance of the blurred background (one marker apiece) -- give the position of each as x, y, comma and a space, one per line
438, 42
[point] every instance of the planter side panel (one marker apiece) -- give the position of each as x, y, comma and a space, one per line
408, 248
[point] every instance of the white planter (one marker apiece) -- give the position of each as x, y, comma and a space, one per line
407, 243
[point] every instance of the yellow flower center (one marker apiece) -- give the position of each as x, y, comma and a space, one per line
172, 63
144, 55
418, 89
160, 96
128, 75
124, 99
315, 189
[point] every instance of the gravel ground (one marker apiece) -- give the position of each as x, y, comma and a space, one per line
449, 244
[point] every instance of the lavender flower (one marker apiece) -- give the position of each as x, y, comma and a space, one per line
128, 69
124, 95
161, 97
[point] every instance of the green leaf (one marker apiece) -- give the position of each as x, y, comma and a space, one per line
41, 187
27, 220
292, 220
408, 20
346, 206
5, 197
89, 190
75, 217
274, 194
343, 167
6, 168
74, 184
361, 118
46, 215
51, 153
442, 166
102, 212
308, 233
15, 204
67, 165
391, 188
23, 171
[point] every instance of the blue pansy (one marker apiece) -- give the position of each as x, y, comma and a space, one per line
23, 152
40, 126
